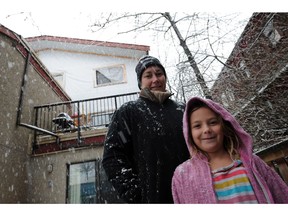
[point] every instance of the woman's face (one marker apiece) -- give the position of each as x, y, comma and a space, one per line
154, 79
206, 130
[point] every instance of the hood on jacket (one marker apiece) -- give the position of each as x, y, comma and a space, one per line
155, 96
245, 148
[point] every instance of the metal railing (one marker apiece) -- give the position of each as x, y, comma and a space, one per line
86, 114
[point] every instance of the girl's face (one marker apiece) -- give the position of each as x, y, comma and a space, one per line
154, 79
207, 131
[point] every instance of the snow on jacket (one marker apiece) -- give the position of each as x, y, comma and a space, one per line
143, 146
192, 181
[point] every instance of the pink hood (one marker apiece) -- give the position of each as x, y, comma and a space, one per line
244, 149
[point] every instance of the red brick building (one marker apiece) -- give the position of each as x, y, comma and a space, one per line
254, 86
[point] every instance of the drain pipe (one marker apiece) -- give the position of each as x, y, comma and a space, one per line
22, 89
20, 104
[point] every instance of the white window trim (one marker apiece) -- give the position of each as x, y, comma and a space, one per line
60, 73
224, 100
271, 32
244, 68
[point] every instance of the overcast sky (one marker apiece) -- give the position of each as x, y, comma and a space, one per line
70, 18
70, 23
73, 24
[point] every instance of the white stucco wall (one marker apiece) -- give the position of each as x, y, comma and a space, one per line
79, 72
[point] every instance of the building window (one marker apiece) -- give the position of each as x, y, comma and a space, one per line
59, 77
110, 75
227, 97
230, 95
234, 76
101, 119
224, 100
244, 68
87, 183
271, 32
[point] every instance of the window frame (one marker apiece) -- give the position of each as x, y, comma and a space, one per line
124, 75
104, 118
271, 32
104, 191
63, 75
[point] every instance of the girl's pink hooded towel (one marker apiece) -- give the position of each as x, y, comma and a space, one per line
192, 180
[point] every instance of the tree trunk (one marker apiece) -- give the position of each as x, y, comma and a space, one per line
191, 59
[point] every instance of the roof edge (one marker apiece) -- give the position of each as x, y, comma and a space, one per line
89, 42
23, 48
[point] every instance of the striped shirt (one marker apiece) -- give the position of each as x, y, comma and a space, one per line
231, 184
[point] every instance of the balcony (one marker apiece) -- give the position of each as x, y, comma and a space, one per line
74, 124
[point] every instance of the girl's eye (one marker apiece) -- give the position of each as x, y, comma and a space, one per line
196, 126
214, 122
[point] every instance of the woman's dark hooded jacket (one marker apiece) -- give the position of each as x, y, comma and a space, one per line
143, 146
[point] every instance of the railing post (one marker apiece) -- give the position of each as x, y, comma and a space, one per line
116, 107
78, 126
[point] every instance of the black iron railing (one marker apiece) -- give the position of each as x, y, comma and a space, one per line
78, 115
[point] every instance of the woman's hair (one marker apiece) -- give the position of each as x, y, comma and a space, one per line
231, 141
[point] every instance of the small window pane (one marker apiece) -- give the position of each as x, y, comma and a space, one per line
98, 120
110, 75
82, 183
88, 183
59, 77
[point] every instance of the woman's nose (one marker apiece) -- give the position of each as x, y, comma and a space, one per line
154, 78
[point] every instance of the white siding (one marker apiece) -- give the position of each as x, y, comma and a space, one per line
79, 71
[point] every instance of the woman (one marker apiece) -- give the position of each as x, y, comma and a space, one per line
145, 142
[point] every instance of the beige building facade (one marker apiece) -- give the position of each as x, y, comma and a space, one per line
24, 83
39, 164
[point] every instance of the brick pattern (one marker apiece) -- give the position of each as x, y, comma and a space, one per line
254, 84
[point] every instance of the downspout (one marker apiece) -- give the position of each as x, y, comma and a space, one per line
20, 104
22, 90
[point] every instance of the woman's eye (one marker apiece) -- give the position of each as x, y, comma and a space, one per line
159, 74
147, 76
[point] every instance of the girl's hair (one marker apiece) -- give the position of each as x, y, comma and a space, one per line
231, 141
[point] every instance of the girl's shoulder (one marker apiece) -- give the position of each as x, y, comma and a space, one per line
258, 162
183, 166
191, 165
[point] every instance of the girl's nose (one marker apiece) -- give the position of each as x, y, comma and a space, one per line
206, 128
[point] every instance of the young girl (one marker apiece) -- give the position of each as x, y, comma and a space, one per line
222, 167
